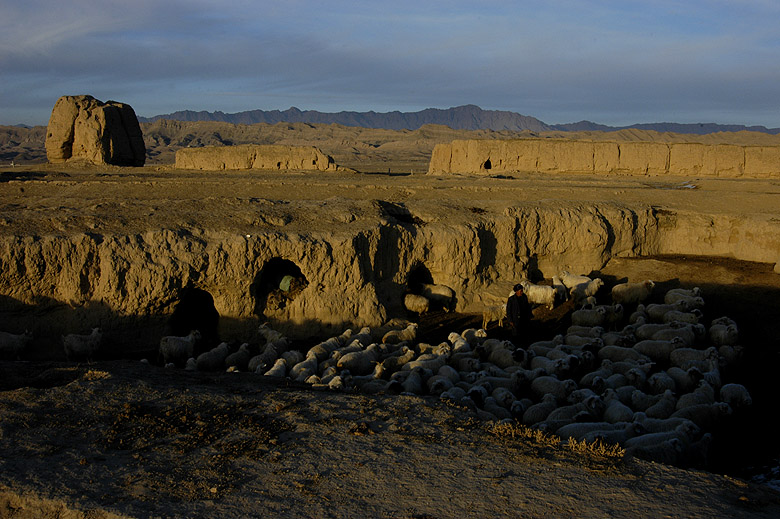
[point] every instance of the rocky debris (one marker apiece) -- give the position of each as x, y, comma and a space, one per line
635, 158
250, 156
84, 128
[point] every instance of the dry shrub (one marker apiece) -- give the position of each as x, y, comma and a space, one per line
596, 448
521, 432
93, 374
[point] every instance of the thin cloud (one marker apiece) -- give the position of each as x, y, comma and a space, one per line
562, 61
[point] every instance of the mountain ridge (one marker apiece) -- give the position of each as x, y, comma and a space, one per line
465, 117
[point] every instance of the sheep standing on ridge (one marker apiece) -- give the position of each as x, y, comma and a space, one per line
584, 290
539, 294
178, 349
632, 293
214, 359
439, 294
493, 313
82, 346
12, 345
416, 303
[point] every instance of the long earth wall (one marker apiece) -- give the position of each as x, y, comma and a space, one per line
130, 284
489, 157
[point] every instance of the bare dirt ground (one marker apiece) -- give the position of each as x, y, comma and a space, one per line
118, 438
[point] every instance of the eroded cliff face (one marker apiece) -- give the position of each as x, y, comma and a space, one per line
130, 284
490, 157
254, 156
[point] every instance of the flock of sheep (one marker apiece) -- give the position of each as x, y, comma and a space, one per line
653, 380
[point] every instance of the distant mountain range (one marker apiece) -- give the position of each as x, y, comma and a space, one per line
467, 117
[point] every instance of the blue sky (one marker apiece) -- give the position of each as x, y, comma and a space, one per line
611, 62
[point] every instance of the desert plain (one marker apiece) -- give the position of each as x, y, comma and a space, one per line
117, 438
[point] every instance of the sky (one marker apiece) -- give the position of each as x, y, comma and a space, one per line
611, 62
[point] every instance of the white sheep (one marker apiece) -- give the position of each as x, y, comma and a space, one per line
360, 362
82, 346
396, 336
622, 432
549, 385
239, 359
614, 314
493, 313
539, 412
621, 353
690, 316
656, 311
589, 317
632, 293
474, 336
685, 380
580, 292
417, 303
304, 369
706, 416
659, 350
279, 369
395, 362
735, 395
269, 334
12, 345
439, 294
178, 349
703, 394
578, 430
678, 294
585, 331
688, 333
688, 357
561, 293
615, 410
687, 302
688, 292
393, 324
570, 280
262, 362
723, 333
214, 359
664, 407
685, 432
429, 361
539, 294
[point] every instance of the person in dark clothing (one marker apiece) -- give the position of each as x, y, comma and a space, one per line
518, 313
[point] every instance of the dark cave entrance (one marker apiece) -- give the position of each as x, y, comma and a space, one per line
195, 311
279, 282
418, 276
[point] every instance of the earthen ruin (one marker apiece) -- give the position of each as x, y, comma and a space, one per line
249, 156
83, 128
491, 157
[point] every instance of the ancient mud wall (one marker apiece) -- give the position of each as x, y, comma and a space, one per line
84, 128
129, 285
490, 157
251, 156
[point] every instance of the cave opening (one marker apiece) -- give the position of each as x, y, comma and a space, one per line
418, 276
195, 310
279, 282
487, 164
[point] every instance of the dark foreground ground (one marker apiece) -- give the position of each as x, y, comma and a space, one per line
118, 438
